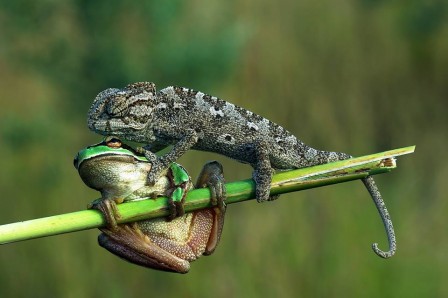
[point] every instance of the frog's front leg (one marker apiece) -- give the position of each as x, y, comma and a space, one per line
179, 185
108, 207
159, 164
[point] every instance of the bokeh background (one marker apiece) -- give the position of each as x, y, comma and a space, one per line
358, 76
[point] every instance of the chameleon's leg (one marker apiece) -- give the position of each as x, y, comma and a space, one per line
127, 241
263, 172
189, 138
152, 148
108, 207
212, 176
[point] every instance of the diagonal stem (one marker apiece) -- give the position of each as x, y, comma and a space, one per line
239, 191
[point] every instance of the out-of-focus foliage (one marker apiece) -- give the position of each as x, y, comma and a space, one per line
358, 76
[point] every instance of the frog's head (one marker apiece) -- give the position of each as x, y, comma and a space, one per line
113, 168
123, 112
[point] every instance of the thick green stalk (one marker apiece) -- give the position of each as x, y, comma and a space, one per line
283, 182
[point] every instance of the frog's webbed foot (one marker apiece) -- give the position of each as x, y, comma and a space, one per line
180, 187
108, 207
212, 176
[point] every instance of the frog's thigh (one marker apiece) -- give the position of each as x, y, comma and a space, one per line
129, 243
216, 230
196, 243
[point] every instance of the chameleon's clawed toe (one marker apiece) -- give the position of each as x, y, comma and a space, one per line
151, 178
261, 193
273, 197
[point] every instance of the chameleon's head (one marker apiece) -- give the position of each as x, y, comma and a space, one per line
122, 112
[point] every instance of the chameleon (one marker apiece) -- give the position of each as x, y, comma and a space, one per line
119, 173
188, 119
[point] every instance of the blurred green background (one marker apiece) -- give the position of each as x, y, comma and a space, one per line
358, 76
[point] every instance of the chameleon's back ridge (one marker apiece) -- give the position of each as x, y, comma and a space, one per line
189, 119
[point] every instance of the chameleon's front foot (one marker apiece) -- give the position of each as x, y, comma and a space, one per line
157, 165
108, 208
155, 173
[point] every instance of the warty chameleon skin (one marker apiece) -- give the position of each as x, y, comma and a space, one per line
189, 119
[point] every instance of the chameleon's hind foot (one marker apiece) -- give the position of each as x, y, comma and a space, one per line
273, 197
263, 178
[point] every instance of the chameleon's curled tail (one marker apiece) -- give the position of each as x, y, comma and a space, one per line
381, 206
326, 156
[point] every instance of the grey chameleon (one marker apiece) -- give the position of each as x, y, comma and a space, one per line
189, 119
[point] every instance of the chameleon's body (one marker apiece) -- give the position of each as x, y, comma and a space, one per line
189, 119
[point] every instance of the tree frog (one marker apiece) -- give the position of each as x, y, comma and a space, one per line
119, 172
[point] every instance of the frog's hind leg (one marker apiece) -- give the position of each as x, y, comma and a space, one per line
128, 242
212, 176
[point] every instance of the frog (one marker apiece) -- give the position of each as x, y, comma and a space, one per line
170, 244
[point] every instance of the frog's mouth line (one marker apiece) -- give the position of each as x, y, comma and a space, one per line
121, 149
123, 146
118, 155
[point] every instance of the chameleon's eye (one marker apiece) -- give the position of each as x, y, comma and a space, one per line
117, 107
113, 142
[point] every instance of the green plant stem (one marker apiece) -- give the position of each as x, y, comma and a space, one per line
283, 182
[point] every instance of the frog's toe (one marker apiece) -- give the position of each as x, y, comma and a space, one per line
109, 210
217, 192
175, 208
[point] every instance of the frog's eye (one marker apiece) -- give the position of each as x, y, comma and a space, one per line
113, 142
